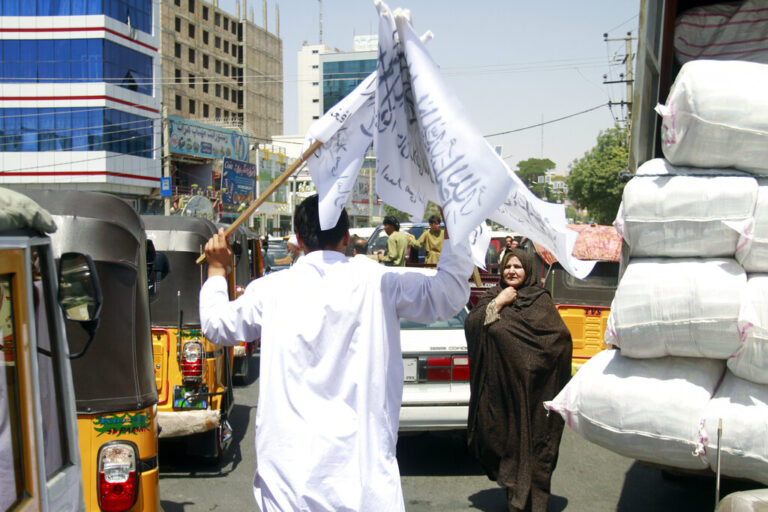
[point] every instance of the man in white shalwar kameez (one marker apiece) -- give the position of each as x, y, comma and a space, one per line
331, 376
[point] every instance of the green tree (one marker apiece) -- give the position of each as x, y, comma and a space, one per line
391, 210
593, 182
530, 170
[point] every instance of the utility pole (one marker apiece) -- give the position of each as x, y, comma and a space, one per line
166, 157
320, 3
624, 78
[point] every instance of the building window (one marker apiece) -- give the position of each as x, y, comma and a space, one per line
191, 106
314, 66
191, 31
315, 83
191, 6
177, 76
177, 2
315, 100
205, 85
234, 96
217, 42
218, 113
226, 23
226, 46
177, 50
234, 50
205, 110
192, 55
315, 117
226, 69
178, 102
218, 66
205, 37
218, 90
314, 51
177, 22
205, 13
226, 93
234, 28
216, 19
191, 81
205, 61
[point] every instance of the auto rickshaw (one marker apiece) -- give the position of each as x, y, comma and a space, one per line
193, 375
115, 392
584, 304
40, 466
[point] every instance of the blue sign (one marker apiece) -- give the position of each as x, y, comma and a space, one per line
165, 187
238, 180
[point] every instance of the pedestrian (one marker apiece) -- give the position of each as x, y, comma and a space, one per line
432, 240
397, 243
357, 245
331, 371
520, 350
510, 242
293, 252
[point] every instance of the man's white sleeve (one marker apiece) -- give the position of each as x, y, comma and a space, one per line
427, 299
226, 322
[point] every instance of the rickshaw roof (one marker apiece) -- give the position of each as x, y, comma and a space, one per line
87, 204
593, 243
185, 233
18, 211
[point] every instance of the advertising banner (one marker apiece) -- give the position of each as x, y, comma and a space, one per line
238, 180
207, 141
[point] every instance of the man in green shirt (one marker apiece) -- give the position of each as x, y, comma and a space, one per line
397, 243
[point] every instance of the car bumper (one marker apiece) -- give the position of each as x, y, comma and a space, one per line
430, 417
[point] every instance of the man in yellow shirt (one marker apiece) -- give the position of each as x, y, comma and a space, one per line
432, 240
397, 243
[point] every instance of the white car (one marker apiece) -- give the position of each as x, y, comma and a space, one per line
436, 374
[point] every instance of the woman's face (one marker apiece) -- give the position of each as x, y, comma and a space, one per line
514, 273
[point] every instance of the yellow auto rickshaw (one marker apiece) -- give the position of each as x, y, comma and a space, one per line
192, 375
115, 391
39, 460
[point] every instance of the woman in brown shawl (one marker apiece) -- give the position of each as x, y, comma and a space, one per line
520, 356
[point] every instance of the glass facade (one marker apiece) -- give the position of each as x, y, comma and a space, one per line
340, 77
136, 12
75, 129
75, 60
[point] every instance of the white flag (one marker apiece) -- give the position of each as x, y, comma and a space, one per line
474, 183
345, 131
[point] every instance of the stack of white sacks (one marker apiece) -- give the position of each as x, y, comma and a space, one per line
690, 315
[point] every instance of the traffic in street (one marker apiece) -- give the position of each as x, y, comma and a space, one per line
438, 474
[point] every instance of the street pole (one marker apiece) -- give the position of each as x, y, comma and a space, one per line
166, 158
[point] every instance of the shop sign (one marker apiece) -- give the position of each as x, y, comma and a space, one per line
238, 180
207, 141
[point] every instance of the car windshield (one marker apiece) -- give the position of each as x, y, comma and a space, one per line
455, 322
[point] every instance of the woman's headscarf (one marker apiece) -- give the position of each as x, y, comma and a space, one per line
529, 290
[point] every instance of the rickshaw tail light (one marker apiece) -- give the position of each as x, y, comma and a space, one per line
118, 479
192, 360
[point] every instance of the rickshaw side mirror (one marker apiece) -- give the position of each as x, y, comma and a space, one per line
79, 293
159, 270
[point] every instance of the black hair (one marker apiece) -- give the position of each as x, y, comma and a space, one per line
361, 244
434, 218
306, 219
391, 221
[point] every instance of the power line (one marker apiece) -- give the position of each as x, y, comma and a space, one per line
547, 122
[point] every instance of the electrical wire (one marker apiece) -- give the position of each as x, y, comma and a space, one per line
546, 122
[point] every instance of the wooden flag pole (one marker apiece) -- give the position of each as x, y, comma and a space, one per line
271, 188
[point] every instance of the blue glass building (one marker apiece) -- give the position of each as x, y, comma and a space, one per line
78, 102
342, 72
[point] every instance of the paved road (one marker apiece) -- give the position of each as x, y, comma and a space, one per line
439, 475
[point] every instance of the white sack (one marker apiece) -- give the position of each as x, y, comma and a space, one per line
724, 31
743, 407
752, 250
677, 307
643, 409
716, 115
669, 211
751, 361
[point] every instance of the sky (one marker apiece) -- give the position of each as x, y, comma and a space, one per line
511, 64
